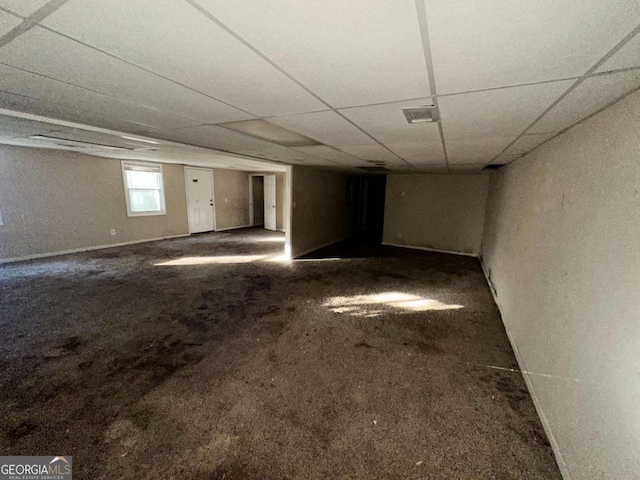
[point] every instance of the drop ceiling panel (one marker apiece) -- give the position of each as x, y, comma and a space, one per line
50, 54
502, 112
73, 103
370, 152
209, 136
103, 115
387, 122
98, 138
528, 142
587, 98
419, 153
328, 153
23, 7
11, 127
478, 45
476, 151
8, 22
179, 42
348, 52
164, 151
627, 57
325, 127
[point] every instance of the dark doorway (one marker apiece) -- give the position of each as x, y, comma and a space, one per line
258, 200
367, 194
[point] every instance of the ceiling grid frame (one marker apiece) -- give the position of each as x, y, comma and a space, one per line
235, 35
97, 92
587, 74
31, 21
53, 5
421, 13
55, 32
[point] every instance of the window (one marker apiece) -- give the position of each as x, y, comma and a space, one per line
143, 188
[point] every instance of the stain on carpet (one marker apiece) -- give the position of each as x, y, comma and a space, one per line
239, 371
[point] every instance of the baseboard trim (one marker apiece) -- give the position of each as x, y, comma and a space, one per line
234, 228
562, 465
298, 255
427, 249
87, 249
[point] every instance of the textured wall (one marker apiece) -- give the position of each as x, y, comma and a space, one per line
445, 212
52, 200
320, 213
562, 247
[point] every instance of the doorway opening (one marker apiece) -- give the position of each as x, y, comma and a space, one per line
257, 187
367, 192
266, 201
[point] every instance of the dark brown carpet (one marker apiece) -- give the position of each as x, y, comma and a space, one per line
159, 361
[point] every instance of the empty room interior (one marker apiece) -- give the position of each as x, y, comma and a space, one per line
394, 239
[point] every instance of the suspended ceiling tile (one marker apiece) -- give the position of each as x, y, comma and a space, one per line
23, 7
8, 22
627, 57
177, 41
325, 127
72, 101
419, 153
476, 150
103, 115
587, 98
349, 53
528, 142
209, 136
328, 153
502, 112
477, 45
11, 127
387, 122
46, 53
370, 152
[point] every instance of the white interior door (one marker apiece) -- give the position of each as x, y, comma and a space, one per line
270, 202
199, 199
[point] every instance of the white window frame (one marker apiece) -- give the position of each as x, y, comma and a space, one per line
163, 210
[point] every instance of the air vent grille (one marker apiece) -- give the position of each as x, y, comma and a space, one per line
492, 167
420, 114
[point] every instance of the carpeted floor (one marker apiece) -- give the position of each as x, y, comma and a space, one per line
206, 358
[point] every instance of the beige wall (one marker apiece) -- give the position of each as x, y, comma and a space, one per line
320, 214
52, 200
444, 212
562, 248
231, 191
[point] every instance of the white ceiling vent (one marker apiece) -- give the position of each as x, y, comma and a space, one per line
420, 114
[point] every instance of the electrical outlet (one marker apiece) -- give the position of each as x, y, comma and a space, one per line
226, 200
113, 231
402, 194
399, 234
